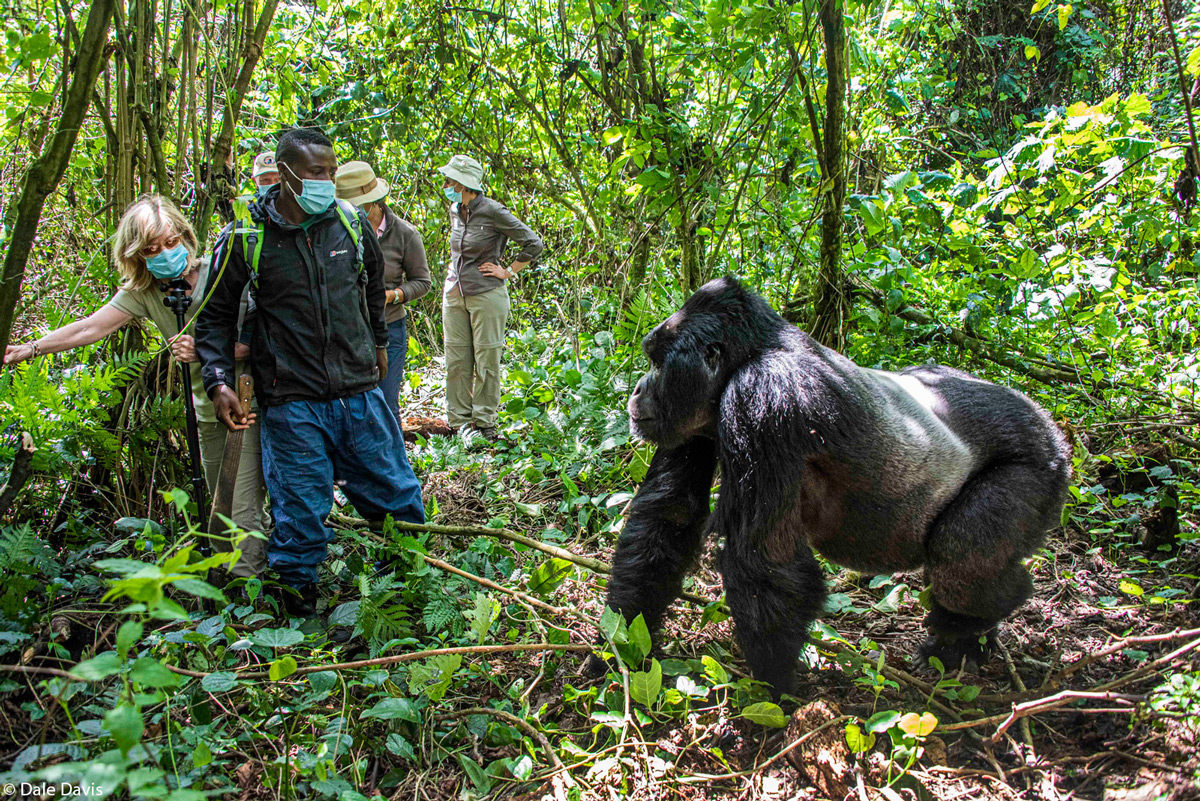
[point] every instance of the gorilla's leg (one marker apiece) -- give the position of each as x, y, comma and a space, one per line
773, 604
973, 557
662, 537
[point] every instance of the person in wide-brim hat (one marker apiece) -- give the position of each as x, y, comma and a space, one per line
405, 269
475, 300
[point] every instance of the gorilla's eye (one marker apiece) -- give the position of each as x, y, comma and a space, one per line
712, 355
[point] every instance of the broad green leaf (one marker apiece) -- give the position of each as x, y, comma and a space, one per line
323, 681
765, 713
482, 781
882, 721
1040, 5
1131, 588
549, 575
201, 755
99, 667
645, 685
481, 617
858, 740
282, 667
639, 638
1033, 52
277, 638
149, 672
401, 747
200, 588
714, 670
345, 614
220, 682
130, 632
125, 725
394, 709
1064, 14
613, 624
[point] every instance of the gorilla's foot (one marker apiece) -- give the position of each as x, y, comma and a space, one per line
958, 650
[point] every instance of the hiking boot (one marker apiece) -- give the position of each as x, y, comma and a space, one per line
300, 601
489, 433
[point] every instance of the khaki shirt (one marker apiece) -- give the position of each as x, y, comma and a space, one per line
147, 304
479, 233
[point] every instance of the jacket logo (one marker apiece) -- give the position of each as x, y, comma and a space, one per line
335, 253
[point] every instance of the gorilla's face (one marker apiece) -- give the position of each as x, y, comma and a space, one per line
677, 399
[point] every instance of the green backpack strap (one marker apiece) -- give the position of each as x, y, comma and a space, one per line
350, 219
252, 244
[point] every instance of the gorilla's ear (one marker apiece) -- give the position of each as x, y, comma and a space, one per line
712, 355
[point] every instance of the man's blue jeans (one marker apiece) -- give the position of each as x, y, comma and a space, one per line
397, 355
307, 447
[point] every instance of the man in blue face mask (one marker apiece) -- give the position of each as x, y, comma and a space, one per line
319, 351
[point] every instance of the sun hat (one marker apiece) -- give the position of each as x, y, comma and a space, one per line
356, 182
464, 169
263, 164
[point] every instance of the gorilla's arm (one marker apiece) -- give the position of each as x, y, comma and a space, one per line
773, 583
664, 532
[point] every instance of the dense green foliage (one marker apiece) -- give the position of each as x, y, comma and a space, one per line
1018, 204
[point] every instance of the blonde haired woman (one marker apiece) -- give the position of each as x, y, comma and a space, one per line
154, 245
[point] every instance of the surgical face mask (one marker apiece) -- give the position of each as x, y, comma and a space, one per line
454, 197
315, 196
261, 192
169, 264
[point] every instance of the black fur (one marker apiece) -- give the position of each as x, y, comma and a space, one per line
928, 467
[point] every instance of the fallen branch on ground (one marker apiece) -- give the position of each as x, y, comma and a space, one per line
396, 659
1120, 645
594, 565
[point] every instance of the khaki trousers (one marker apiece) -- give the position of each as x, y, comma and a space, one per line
248, 493
473, 331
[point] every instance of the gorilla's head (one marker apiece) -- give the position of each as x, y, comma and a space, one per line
693, 354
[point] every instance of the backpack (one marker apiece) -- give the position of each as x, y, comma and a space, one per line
252, 240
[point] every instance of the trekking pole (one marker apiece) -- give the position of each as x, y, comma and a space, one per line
178, 300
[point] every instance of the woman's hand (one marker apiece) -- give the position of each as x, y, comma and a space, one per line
15, 354
183, 348
493, 269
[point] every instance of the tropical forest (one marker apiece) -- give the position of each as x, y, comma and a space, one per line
600, 399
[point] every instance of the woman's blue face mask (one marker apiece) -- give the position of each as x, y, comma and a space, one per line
169, 264
316, 196
451, 194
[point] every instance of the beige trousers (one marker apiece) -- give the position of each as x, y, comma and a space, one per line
248, 493
473, 331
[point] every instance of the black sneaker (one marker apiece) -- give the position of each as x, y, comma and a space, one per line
301, 601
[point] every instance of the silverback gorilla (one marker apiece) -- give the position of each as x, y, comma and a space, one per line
878, 471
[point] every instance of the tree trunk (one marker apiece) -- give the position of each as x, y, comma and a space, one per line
832, 299
233, 107
47, 170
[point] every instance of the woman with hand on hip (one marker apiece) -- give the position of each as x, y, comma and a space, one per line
475, 299
405, 270
154, 246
